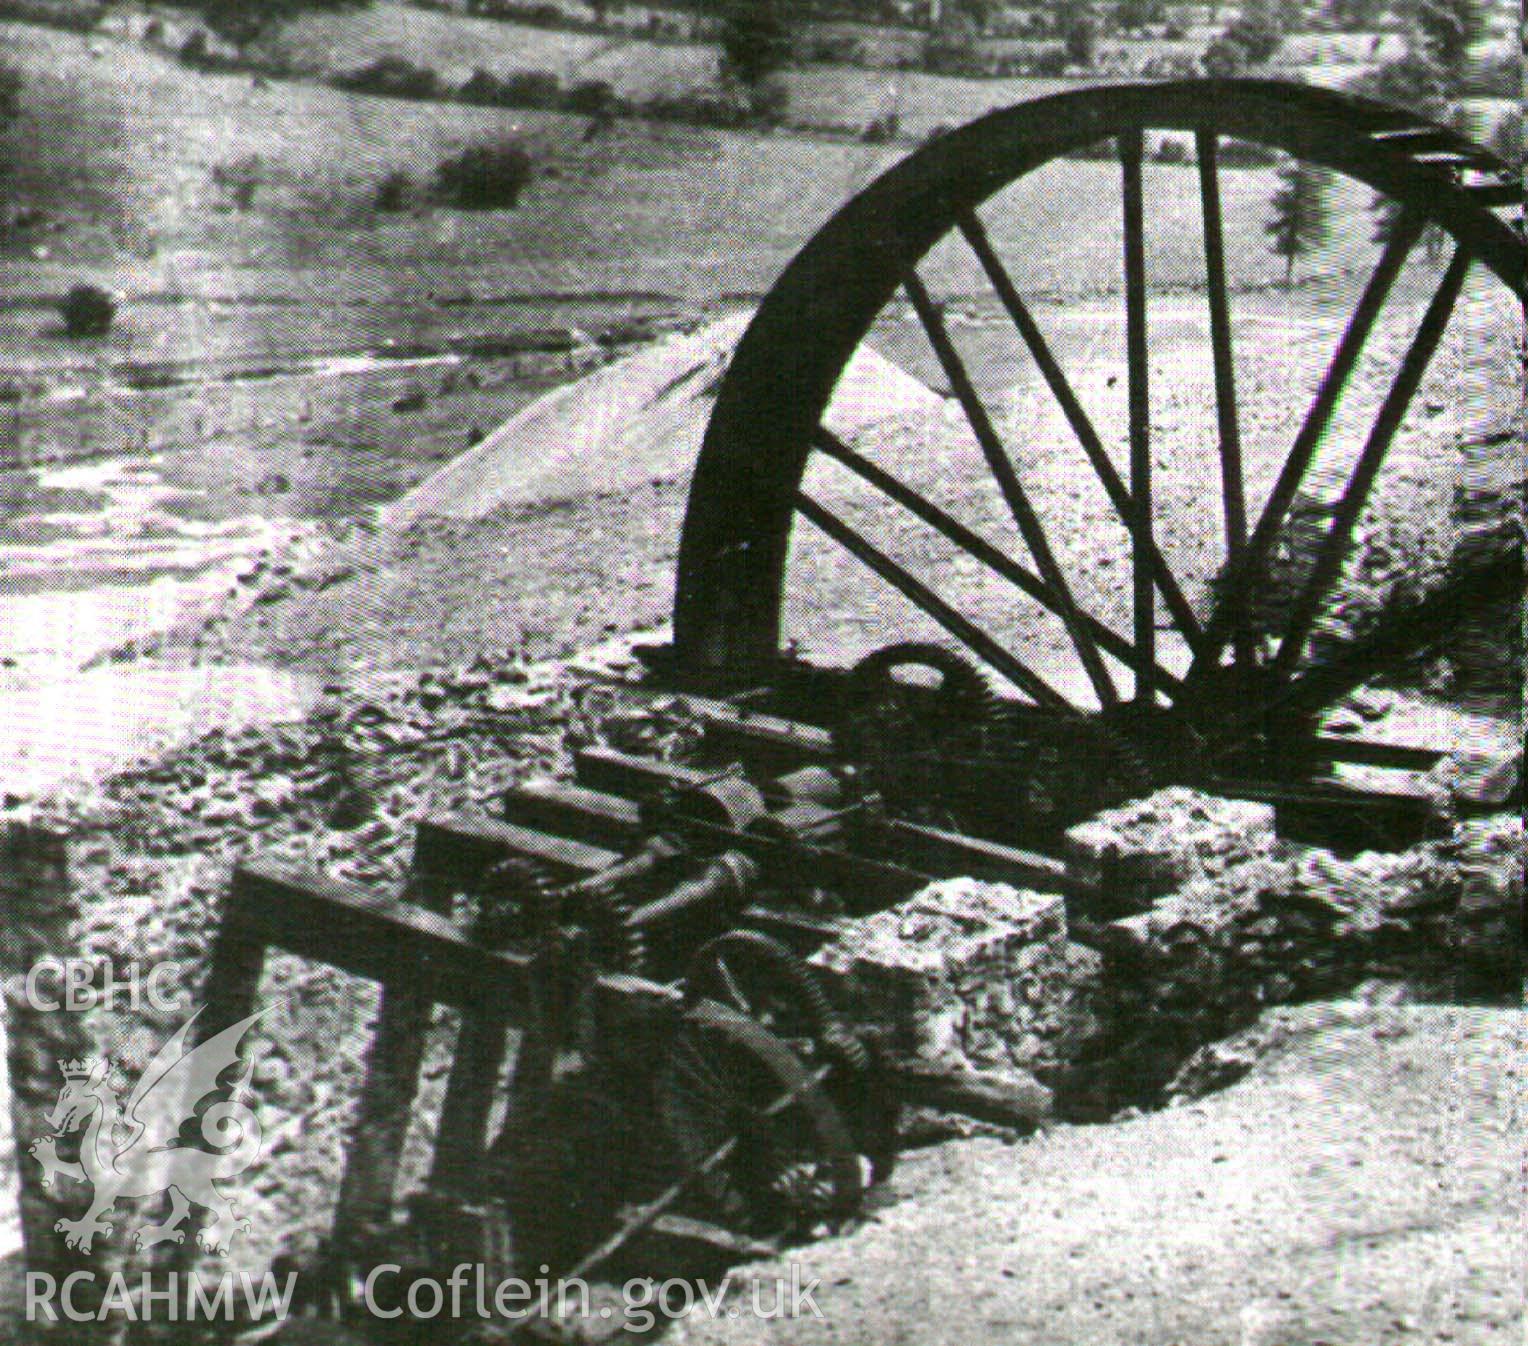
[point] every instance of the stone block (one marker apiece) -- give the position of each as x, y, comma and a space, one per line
964, 972
1143, 850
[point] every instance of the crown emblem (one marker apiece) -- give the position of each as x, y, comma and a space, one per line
77, 1069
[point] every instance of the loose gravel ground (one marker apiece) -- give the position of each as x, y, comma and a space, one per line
1363, 1184
547, 577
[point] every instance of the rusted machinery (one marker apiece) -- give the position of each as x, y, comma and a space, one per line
644, 927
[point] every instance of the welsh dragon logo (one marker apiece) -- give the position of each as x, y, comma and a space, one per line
128, 1149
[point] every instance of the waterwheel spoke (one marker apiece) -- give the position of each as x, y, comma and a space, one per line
1339, 540
704, 1084
997, 561
1008, 482
1232, 482
1143, 596
734, 991
1241, 579
1076, 417
963, 630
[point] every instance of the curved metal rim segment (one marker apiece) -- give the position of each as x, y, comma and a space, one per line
737, 524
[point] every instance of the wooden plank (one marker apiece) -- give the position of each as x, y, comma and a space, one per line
1231, 474
727, 723
985, 1095
909, 586
1002, 564
1340, 537
1368, 752
575, 811
459, 847
941, 850
374, 1143
1137, 360
608, 769
1007, 478
803, 931
376, 936
1050, 369
1242, 581
715, 1236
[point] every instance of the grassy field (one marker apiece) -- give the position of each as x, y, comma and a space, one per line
454, 46
115, 162
117, 157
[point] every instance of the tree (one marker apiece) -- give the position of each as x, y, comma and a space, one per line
1418, 83
1507, 138
1249, 39
755, 40
1448, 29
242, 21
1082, 42
1133, 15
1414, 81
1257, 30
1301, 220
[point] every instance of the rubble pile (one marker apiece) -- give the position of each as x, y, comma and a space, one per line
1202, 917
1487, 648
1210, 919
1207, 957
151, 853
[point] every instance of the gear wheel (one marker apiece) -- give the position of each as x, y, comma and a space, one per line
743, 967
880, 711
615, 944
725, 1077
516, 901
757, 975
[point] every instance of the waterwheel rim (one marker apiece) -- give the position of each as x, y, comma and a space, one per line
747, 495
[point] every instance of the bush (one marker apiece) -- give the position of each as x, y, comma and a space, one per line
397, 191
1246, 154
768, 101
882, 129
948, 55
1170, 151
592, 98
485, 176
392, 77
71, 18
523, 88
1048, 62
754, 40
483, 88
87, 311
703, 109
1224, 60
240, 178
193, 51
1082, 42
10, 92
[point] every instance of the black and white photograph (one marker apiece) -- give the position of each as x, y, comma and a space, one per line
762, 672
